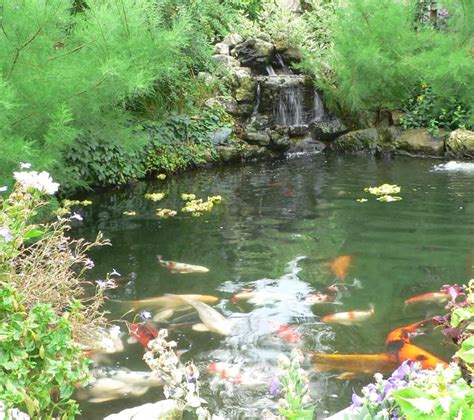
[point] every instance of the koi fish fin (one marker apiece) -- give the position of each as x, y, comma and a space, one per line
163, 315
200, 327
346, 375
100, 400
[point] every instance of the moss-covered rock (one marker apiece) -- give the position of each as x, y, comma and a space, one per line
419, 141
360, 141
460, 144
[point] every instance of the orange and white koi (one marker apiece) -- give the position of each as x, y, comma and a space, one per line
182, 268
319, 298
349, 318
226, 371
286, 333
435, 297
402, 335
340, 265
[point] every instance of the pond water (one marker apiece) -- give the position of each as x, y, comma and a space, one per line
279, 226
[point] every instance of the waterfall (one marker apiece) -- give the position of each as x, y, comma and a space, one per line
258, 95
270, 70
318, 107
288, 109
282, 64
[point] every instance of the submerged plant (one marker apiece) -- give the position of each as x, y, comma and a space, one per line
155, 196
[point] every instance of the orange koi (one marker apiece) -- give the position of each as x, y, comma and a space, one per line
417, 354
354, 364
349, 318
340, 265
435, 297
402, 335
286, 333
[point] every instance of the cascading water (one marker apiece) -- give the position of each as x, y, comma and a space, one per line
318, 107
288, 110
270, 70
258, 95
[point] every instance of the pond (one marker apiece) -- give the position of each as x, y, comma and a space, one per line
279, 227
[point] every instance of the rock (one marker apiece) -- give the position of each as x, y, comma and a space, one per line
238, 75
460, 144
226, 60
279, 139
246, 91
163, 410
254, 53
205, 77
397, 118
229, 153
255, 137
254, 152
293, 5
222, 48
230, 105
221, 136
360, 141
327, 130
290, 54
307, 146
420, 142
232, 40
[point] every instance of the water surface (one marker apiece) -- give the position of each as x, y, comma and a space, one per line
279, 225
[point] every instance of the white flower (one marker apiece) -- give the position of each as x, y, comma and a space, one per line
77, 217
25, 165
115, 273
39, 181
89, 264
4, 188
6, 234
378, 377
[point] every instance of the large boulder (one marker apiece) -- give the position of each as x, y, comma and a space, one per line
360, 141
225, 60
419, 141
232, 40
254, 53
460, 144
222, 48
229, 153
327, 130
257, 137
222, 135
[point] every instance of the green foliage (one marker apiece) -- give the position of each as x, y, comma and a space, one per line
424, 110
68, 74
180, 142
40, 363
379, 56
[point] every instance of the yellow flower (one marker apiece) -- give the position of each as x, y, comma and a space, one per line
420, 98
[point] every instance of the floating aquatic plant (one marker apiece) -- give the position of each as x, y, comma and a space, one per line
188, 197
199, 206
161, 177
165, 213
362, 200
388, 198
155, 196
129, 213
383, 189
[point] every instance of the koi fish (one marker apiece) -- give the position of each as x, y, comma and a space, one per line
402, 335
349, 318
167, 301
354, 364
417, 354
319, 298
142, 334
106, 341
340, 265
107, 383
435, 297
259, 297
182, 268
211, 319
286, 333
225, 371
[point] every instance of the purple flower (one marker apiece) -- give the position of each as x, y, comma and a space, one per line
106, 284
6, 234
356, 401
453, 333
145, 315
89, 264
274, 384
443, 13
403, 370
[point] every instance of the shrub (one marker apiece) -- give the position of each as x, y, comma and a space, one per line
41, 328
380, 56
